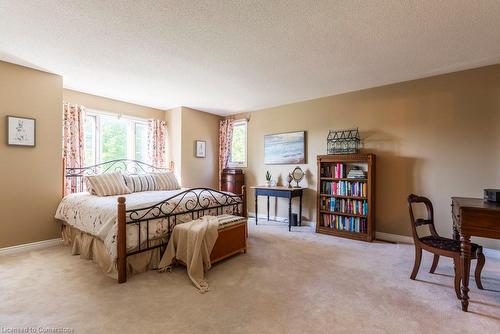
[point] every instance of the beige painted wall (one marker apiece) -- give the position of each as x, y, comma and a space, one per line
110, 105
30, 177
185, 126
198, 125
438, 136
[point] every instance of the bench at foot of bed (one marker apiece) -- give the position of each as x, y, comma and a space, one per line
232, 238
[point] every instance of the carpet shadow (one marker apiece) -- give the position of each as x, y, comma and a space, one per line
435, 283
484, 315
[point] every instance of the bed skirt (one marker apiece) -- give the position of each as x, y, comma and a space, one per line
92, 248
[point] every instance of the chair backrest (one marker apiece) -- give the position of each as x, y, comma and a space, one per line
416, 222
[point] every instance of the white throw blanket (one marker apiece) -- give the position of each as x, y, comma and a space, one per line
192, 244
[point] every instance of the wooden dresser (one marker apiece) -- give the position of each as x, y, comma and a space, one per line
232, 180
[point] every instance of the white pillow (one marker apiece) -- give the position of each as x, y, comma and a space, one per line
166, 181
143, 182
108, 184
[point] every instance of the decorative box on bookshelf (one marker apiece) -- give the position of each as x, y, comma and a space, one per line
346, 196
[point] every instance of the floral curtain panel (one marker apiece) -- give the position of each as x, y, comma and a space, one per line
157, 136
73, 139
225, 138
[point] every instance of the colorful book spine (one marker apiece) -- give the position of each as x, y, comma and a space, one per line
344, 188
339, 171
341, 205
341, 223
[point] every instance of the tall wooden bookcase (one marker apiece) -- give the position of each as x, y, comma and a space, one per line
346, 206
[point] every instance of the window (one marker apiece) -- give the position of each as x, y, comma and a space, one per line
239, 144
90, 140
141, 141
109, 137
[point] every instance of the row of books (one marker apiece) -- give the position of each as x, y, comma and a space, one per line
357, 207
336, 171
340, 171
342, 223
344, 188
356, 173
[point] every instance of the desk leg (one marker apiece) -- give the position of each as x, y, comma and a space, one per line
465, 249
289, 214
256, 208
300, 210
267, 208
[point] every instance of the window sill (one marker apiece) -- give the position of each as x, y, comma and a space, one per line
236, 165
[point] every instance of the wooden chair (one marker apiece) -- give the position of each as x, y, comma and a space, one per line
440, 246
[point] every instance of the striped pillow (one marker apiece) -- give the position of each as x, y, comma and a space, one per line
107, 184
167, 181
136, 183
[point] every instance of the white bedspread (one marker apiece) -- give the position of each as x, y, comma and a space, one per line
98, 215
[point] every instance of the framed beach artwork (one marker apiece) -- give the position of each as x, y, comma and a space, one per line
201, 149
285, 148
21, 131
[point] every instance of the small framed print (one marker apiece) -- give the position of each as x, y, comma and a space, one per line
201, 149
21, 131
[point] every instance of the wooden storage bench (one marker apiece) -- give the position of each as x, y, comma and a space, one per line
232, 237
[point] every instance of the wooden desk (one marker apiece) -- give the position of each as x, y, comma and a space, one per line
283, 192
473, 217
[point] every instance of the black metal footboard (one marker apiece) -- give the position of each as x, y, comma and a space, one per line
191, 203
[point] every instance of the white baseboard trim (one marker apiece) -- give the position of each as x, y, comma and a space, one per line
31, 246
493, 253
278, 218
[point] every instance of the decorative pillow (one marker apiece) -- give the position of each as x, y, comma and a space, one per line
166, 181
145, 182
107, 184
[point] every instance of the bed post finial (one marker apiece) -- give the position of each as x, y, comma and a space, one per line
121, 241
63, 192
244, 199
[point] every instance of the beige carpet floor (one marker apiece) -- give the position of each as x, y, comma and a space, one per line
297, 282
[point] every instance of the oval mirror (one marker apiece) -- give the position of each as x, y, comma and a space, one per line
298, 175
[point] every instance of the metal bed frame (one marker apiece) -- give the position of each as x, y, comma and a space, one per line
195, 202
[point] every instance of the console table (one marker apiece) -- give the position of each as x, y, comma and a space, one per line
472, 217
283, 192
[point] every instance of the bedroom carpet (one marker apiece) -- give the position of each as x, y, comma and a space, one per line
297, 282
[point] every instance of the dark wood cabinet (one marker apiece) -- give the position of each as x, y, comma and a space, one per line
232, 180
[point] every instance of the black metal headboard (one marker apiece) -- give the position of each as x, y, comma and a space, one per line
73, 176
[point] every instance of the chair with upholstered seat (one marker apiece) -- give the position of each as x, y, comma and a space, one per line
440, 246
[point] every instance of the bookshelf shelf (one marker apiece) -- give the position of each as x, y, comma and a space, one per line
342, 213
354, 194
345, 234
341, 196
343, 179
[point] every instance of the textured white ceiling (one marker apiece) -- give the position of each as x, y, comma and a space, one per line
230, 56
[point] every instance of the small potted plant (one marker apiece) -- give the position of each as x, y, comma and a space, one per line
268, 179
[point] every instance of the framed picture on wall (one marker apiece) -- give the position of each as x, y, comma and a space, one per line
21, 131
285, 148
201, 149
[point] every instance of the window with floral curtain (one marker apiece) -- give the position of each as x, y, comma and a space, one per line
73, 139
157, 136
225, 140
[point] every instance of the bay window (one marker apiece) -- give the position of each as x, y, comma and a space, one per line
110, 137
